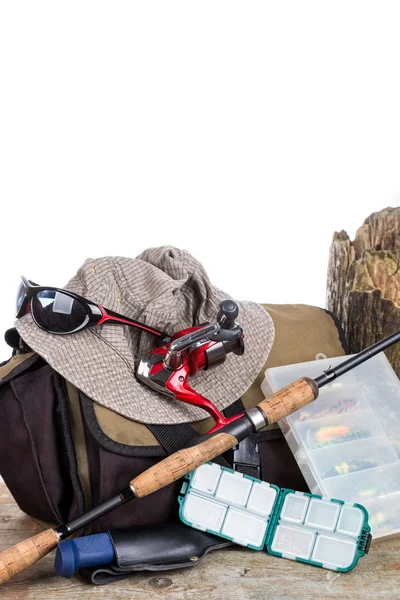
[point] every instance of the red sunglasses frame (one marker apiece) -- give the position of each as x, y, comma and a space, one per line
96, 314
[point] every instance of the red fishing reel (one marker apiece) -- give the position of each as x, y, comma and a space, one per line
168, 368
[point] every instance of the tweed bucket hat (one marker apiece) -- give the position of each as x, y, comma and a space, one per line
165, 288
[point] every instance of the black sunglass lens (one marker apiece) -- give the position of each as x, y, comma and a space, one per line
57, 312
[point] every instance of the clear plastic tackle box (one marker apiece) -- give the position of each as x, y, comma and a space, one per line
294, 525
347, 442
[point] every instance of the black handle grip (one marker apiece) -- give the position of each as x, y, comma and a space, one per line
227, 314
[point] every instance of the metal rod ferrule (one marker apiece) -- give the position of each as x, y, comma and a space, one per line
257, 417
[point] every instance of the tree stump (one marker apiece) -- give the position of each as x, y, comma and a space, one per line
363, 287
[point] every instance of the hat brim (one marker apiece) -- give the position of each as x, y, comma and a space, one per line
107, 376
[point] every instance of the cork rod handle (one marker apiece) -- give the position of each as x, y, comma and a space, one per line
179, 464
289, 399
26, 553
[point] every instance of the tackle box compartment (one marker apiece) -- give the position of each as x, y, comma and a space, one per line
347, 442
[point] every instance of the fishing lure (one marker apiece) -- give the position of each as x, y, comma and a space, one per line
350, 466
335, 434
377, 520
366, 493
342, 406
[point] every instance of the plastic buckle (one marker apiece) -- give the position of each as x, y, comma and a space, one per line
366, 540
246, 458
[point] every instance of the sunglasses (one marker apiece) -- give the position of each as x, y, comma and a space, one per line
62, 312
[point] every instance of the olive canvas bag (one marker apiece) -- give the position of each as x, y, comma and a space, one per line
75, 453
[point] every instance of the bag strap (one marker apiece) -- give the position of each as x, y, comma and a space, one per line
175, 437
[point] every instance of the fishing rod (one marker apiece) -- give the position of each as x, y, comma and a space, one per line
278, 406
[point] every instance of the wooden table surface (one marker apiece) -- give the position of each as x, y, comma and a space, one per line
234, 574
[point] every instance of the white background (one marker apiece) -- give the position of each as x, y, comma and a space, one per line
245, 132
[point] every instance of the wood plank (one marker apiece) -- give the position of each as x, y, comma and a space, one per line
5, 494
12, 518
235, 573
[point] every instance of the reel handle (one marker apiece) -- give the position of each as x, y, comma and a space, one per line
227, 314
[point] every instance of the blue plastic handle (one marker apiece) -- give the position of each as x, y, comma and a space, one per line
89, 551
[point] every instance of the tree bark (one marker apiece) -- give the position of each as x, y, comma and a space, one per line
363, 287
